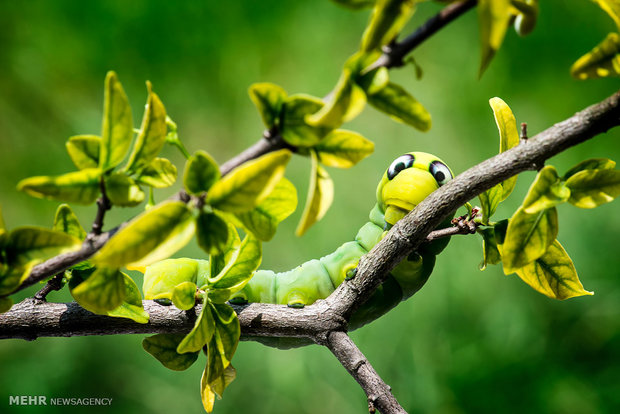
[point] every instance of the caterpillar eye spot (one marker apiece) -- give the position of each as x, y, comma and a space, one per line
350, 274
401, 163
440, 172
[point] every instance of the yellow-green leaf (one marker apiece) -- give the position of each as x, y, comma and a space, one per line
553, 274
611, 7
490, 252
249, 184
218, 262
401, 106
5, 304
268, 99
590, 164
80, 187
164, 348
201, 172
102, 292
201, 333
489, 200
162, 277
67, 222
228, 331
508, 137
84, 150
600, 62
211, 233
527, 237
160, 173
131, 308
294, 129
12, 276
239, 269
320, 196
26, 244
263, 220
347, 102
215, 378
387, 20
184, 295
117, 127
123, 191
591, 188
494, 17
152, 236
373, 81
152, 136
343, 149
545, 192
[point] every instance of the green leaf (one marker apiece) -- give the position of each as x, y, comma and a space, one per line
494, 17
123, 191
152, 136
373, 81
268, 99
508, 136
263, 220
320, 196
103, 291
164, 348
162, 277
202, 332
343, 149
592, 188
239, 269
27, 244
489, 200
66, 221
294, 129
347, 102
131, 308
249, 184
84, 150
228, 330
218, 262
527, 238
401, 106
208, 390
160, 173
80, 187
150, 237
591, 164
5, 304
117, 128
611, 7
184, 295
13, 276
545, 192
601, 62
201, 172
490, 252
553, 274
212, 233
388, 19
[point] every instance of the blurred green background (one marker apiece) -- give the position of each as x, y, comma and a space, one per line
470, 341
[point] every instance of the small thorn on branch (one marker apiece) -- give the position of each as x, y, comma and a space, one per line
523, 136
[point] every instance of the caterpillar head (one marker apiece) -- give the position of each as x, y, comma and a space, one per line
408, 180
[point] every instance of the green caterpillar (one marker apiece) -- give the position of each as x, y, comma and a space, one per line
408, 180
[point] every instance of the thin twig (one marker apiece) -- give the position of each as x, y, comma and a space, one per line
103, 205
378, 392
393, 55
54, 283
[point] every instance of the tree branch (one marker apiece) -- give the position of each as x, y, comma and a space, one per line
393, 55
378, 392
318, 320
